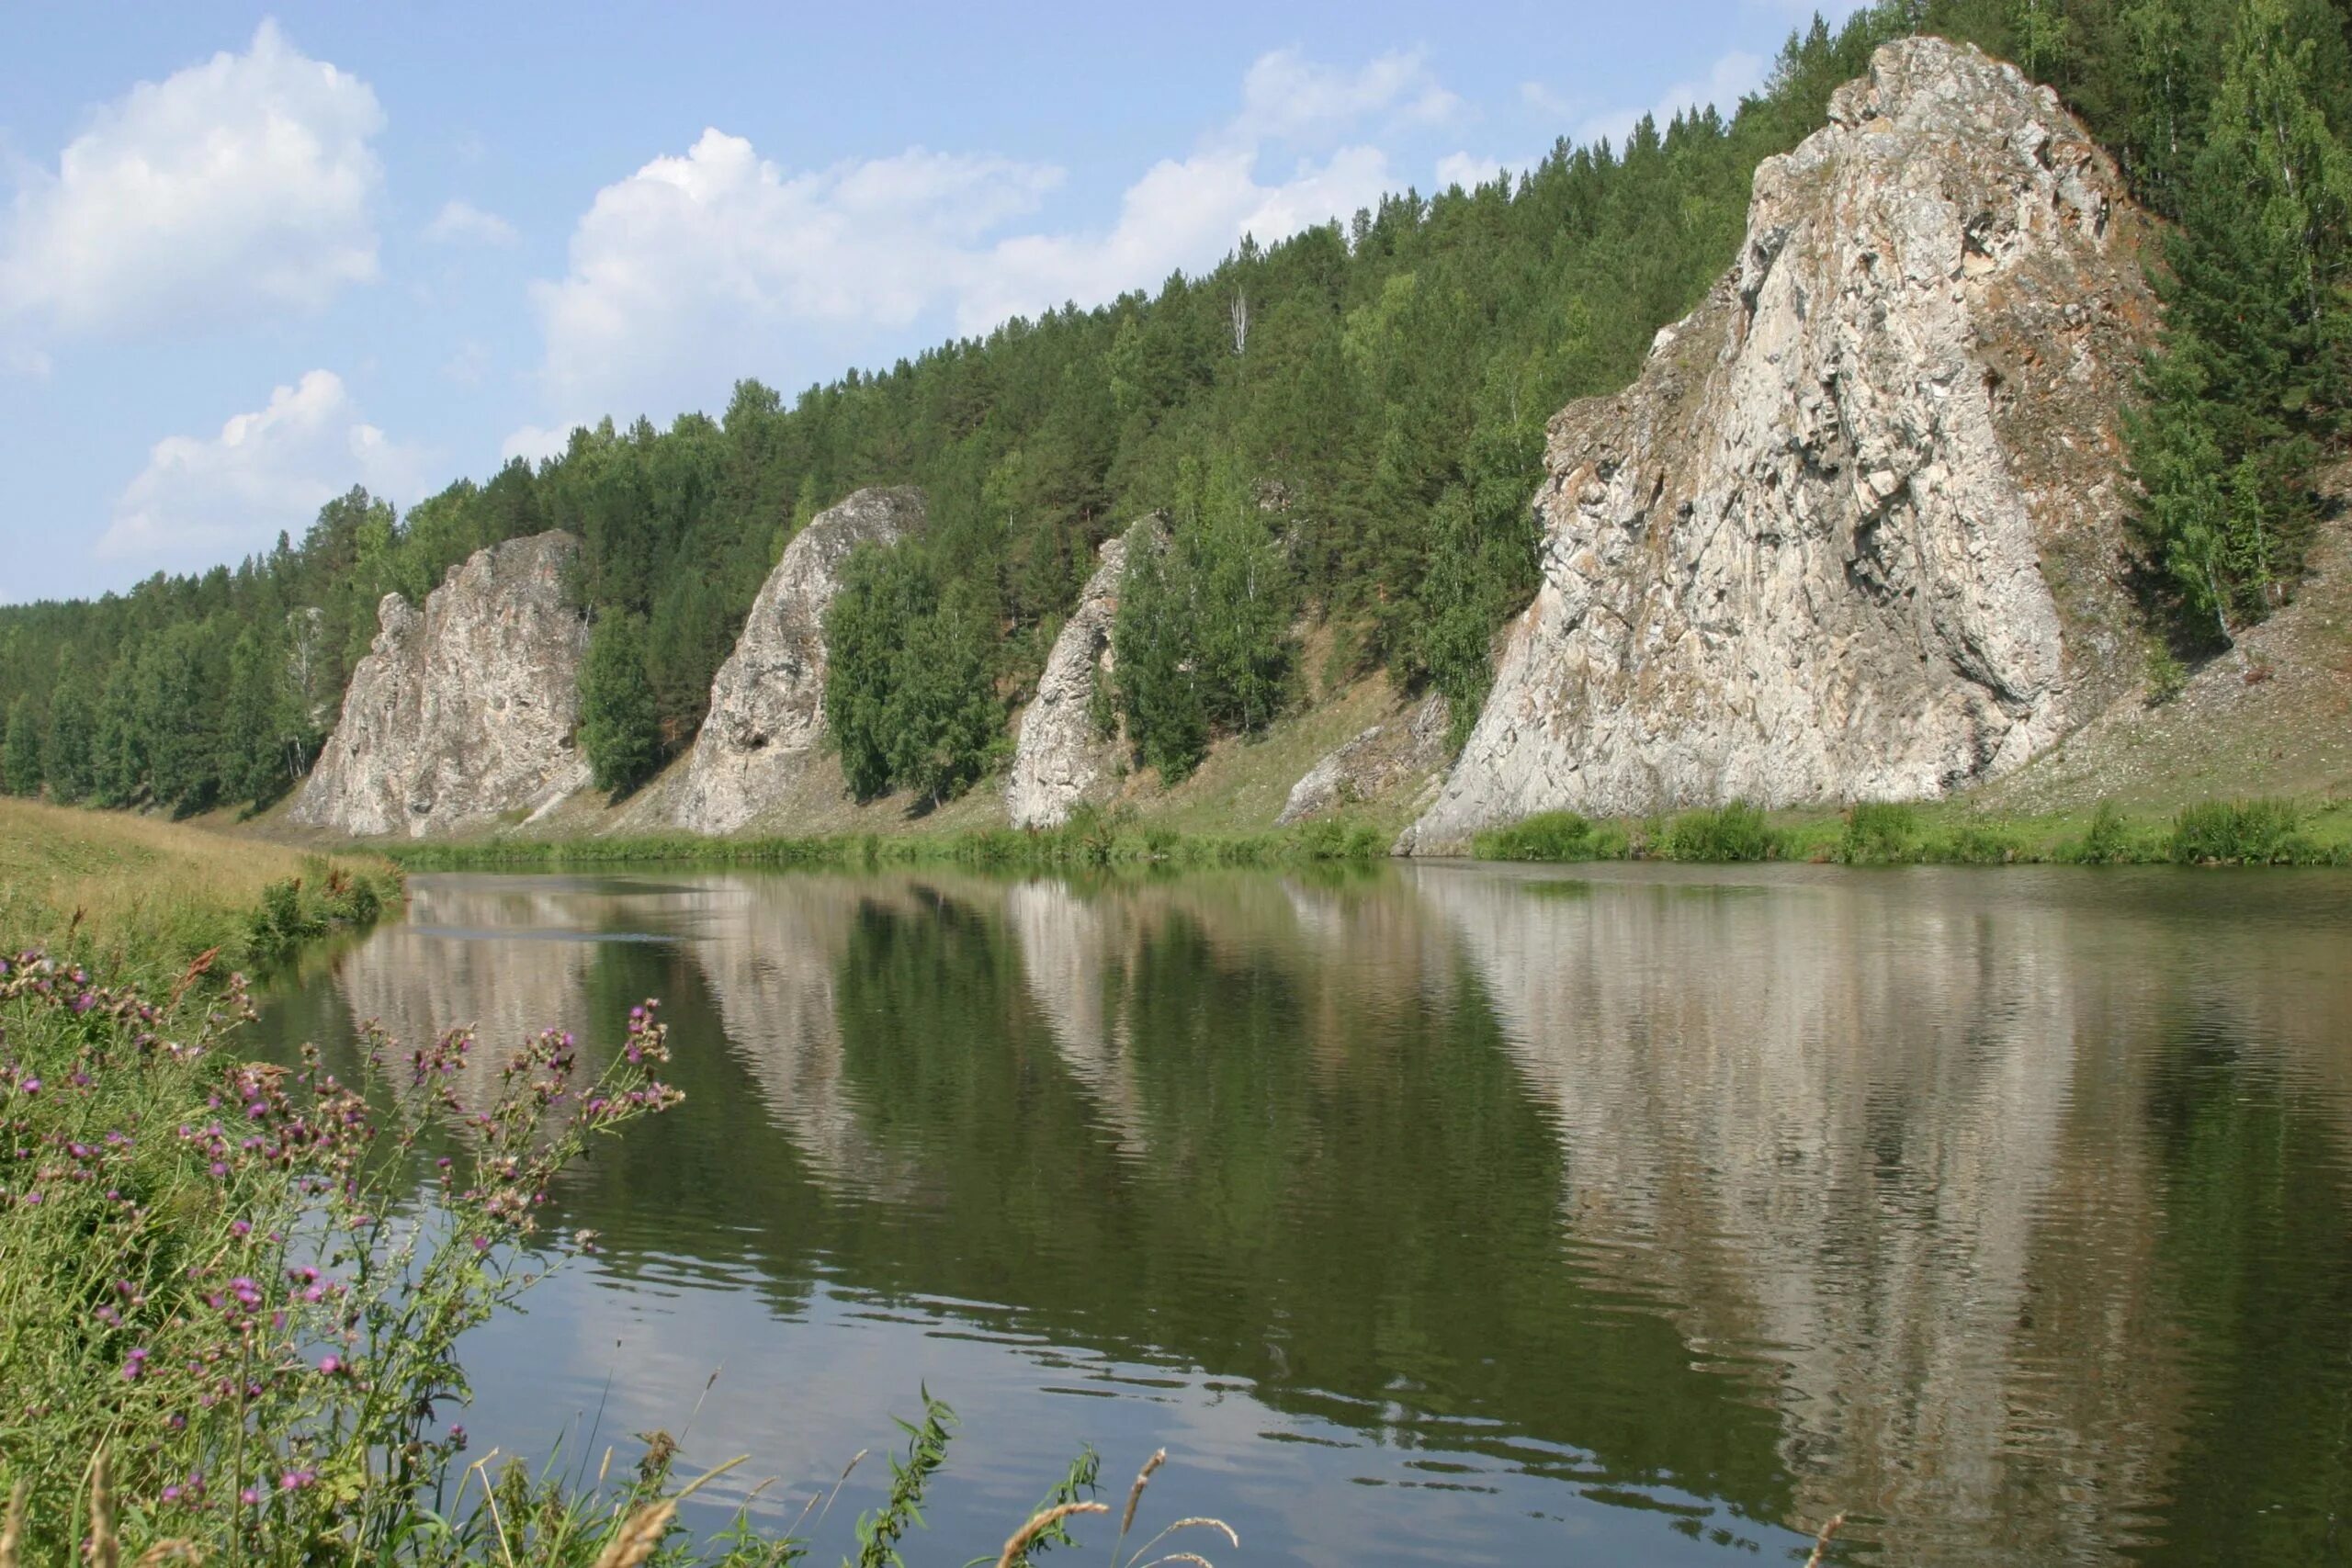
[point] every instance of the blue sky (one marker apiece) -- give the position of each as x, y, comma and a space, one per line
248, 257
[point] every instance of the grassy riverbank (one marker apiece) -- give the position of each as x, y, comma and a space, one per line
143, 897
2243, 833
228, 1321
2224, 832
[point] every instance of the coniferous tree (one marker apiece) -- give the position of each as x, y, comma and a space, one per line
119, 763
68, 751
1379, 394
21, 769
1158, 686
2247, 378
619, 725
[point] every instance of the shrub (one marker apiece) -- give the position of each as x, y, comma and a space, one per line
1976, 843
2252, 832
227, 1291
1733, 832
2108, 840
1878, 833
1546, 836
1329, 839
2165, 675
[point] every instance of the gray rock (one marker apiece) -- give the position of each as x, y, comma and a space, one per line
1855, 532
1406, 750
1058, 760
462, 713
767, 705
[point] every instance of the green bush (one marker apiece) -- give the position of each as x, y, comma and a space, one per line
2107, 841
1978, 844
1728, 833
2166, 674
1546, 836
2251, 832
1880, 833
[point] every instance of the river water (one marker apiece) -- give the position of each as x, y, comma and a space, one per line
1436, 1213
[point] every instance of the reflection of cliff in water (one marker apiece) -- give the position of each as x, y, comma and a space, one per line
772, 965
506, 956
1886, 1144
1951, 1202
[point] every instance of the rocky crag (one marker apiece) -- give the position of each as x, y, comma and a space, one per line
767, 705
1407, 751
1855, 531
1061, 758
463, 713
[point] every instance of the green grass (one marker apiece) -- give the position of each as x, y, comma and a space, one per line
2247, 832
144, 897
1722, 835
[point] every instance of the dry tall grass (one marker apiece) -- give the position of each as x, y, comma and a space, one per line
145, 892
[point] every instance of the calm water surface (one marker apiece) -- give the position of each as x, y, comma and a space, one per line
1440, 1213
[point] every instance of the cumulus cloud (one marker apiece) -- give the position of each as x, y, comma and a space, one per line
463, 224
201, 499
1287, 97
1470, 171
719, 263
237, 187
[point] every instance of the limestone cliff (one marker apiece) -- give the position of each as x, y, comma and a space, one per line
463, 712
767, 705
1854, 531
1059, 759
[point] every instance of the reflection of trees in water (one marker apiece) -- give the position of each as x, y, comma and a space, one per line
2016, 1223
1345, 1194
1888, 1142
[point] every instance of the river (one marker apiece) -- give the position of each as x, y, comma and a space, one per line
1440, 1213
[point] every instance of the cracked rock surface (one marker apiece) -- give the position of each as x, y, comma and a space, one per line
766, 724
464, 712
1856, 530
1059, 759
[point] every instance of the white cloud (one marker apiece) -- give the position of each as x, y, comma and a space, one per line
536, 443
1727, 80
30, 363
237, 187
204, 500
1285, 95
1469, 171
1550, 105
469, 364
718, 263
463, 224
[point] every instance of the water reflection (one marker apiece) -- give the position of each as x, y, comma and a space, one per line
1638, 1215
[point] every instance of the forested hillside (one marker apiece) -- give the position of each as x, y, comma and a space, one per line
1346, 424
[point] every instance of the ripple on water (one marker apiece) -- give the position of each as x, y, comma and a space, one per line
1458, 1214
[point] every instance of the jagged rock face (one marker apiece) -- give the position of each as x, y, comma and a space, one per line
1059, 760
1406, 750
465, 712
1855, 531
767, 705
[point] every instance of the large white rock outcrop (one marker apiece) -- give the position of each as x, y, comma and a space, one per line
767, 705
1855, 531
1059, 758
464, 712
